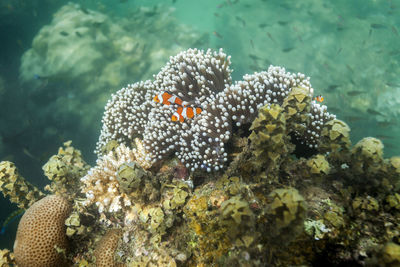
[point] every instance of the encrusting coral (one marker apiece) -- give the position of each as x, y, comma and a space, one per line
41, 240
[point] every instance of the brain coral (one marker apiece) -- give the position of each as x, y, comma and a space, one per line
41, 232
105, 250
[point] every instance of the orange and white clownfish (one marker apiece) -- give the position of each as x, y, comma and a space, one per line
167, 98
183, 113
319, 98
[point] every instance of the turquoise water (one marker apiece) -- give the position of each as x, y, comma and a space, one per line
60, 62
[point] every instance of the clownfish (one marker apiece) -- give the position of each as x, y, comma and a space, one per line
319, 98
167, 98
183, 113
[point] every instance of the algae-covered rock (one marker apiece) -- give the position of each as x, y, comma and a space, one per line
14, 186
367, 156
130, 176
269, 141
391, 254
318, 165
286, 211
367, 203
296, 106
65, 170
316, 228
395, 164
393, 201
237, 216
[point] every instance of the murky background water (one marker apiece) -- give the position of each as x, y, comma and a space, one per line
60, 61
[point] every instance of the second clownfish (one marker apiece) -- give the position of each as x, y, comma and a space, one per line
183, 111
319, 98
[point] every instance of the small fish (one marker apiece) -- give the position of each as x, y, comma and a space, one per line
78, 34
64, 33
374, 112
354, 93
254, 68
39, 77
241, 21
332, 87
287, 49
378, 26
135, 47
394, 30
254, 57
217, 34
252, 43
319, 98
263, 25
14, 215
183, 113
267, 62
97, 24
393, 84
84, 10
282, 23
383, 137
349, 68
28, 153
385, 124
339, 50
216, 14
167, 98
270, 37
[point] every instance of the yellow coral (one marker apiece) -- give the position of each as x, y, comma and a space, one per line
6, 258
41, 234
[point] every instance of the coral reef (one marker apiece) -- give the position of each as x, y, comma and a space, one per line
41, 239
203, 78
290, 189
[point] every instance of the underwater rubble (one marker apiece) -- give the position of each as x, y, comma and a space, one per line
286, 196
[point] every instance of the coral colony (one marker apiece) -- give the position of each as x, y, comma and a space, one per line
204, 79
263, 204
